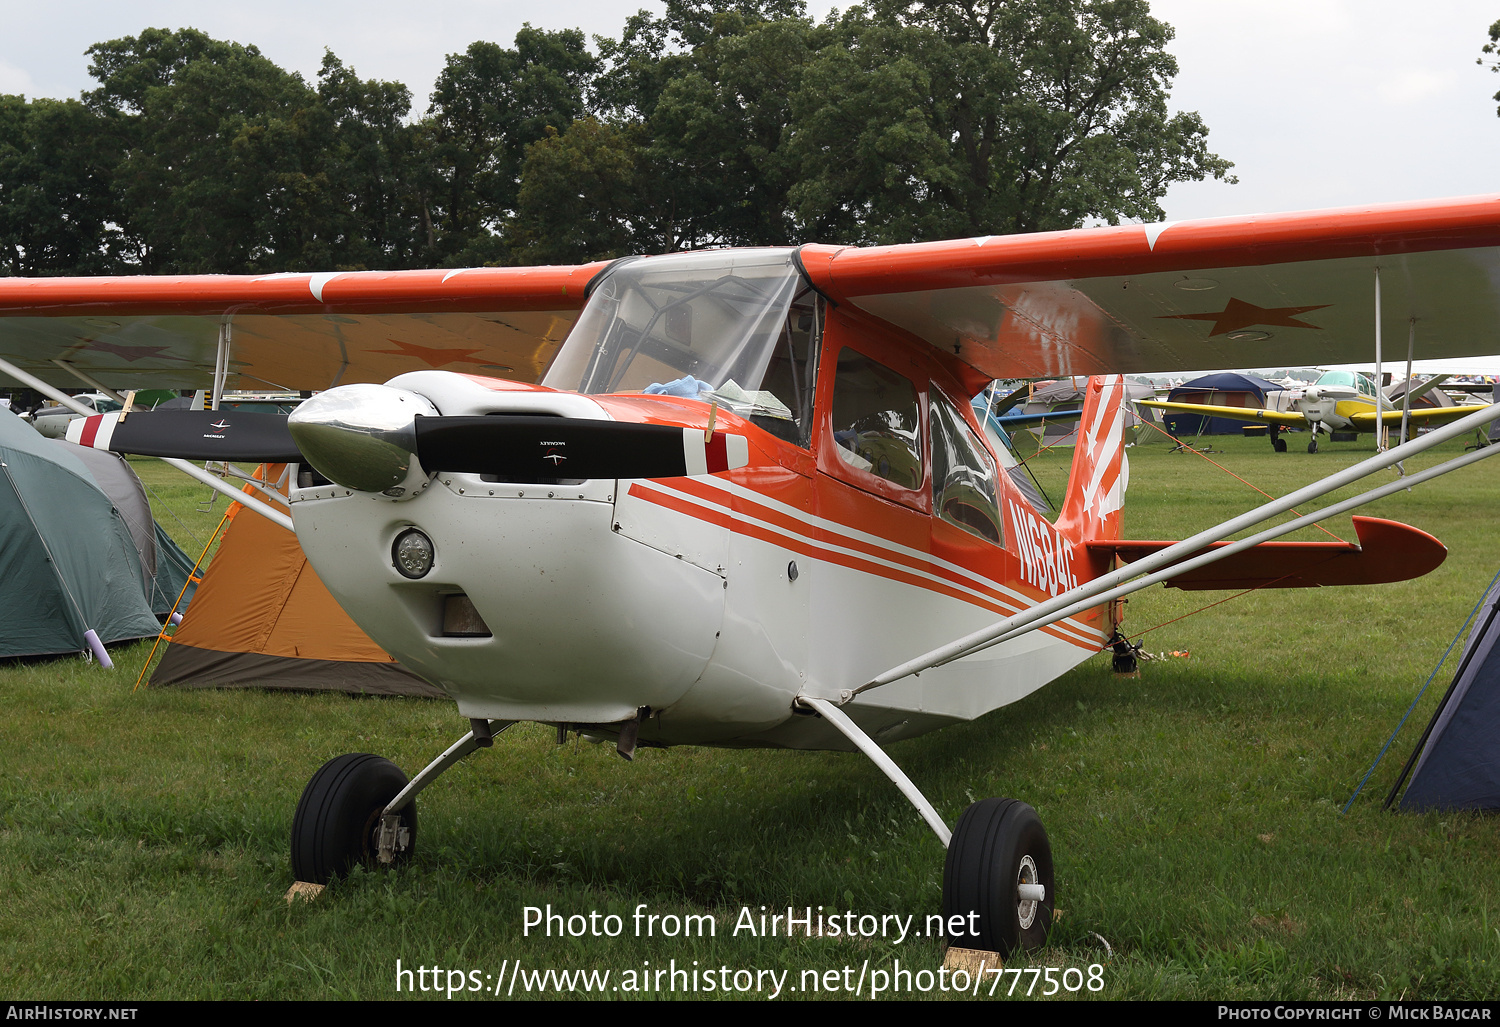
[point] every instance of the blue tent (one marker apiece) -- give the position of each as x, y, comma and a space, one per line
1224, 389
1459, 766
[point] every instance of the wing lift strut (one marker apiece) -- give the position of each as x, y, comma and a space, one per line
1168, 563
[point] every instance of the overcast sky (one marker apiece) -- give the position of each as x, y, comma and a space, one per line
1318, 102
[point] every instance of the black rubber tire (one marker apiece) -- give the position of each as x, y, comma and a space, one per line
1279, 445
1312, 447
985, 857
339, 814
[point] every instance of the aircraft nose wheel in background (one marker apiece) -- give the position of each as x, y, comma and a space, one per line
338, 817
998, 876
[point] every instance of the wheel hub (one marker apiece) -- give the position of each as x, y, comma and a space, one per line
1026, 874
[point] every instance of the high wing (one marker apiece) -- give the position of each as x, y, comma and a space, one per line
1296, 288
1262, 290
291, 331
1252, 414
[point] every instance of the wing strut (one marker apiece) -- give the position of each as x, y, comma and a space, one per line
1114, 585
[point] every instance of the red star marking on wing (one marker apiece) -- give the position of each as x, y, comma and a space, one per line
432, 356
1238, 314
130, 353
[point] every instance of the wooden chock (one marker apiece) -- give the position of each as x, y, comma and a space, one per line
304, 890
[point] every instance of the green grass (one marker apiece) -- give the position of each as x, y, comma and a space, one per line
1194, 812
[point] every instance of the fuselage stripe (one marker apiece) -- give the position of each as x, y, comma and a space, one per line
798, 541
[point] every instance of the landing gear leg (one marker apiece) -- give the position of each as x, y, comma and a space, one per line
997, 879
1312, 447
1278, 444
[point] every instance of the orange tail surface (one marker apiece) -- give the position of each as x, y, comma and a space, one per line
1096, 486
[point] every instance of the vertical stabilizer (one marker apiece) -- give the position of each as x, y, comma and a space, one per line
1096, 485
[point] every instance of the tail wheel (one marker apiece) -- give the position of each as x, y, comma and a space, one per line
338, 816
998, 878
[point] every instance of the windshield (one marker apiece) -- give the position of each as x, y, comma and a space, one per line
1359, 382
735, 327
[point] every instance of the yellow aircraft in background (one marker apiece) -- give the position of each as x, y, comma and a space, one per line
1338, 401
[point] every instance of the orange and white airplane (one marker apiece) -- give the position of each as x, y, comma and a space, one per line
748, 504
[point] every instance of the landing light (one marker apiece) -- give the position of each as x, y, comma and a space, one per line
412, 553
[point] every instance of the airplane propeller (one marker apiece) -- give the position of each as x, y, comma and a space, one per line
374, 438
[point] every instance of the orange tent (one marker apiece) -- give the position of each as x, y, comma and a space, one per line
262, 619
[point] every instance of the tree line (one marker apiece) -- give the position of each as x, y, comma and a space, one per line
716, 123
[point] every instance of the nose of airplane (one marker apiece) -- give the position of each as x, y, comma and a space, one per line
363, 437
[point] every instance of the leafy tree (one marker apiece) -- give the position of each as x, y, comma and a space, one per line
705, 91
488, 105
1493, 49
221, 169
372, 164
933, 118
577, 196
57, 213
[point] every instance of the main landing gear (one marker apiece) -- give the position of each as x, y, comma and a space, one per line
999, 867
998, 891
361, 809
337, 823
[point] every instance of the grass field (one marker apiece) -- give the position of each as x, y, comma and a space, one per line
1194, 812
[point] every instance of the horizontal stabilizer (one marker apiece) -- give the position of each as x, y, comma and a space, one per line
1387, 551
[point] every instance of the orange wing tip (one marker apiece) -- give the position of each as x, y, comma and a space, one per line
1387, 551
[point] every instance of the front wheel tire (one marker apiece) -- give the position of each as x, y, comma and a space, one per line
997, 857
338, 817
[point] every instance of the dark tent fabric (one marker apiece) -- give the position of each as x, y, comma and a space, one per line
1460, 763
1068, 394
68, 557
1224, 389
263, 619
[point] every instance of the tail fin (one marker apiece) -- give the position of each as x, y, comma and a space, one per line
1096, 486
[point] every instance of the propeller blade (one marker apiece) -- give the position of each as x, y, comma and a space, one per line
190, 435
527, 448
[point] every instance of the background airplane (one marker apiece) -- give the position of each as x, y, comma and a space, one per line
1338, 401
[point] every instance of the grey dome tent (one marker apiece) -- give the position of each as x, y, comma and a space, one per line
79, 551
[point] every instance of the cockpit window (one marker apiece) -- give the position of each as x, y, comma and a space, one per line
736, 327
876, 420
963, 475
1363, 383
